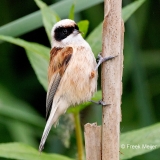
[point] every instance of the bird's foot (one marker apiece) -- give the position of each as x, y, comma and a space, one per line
101, 59
100, 103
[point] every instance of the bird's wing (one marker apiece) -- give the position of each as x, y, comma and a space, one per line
59, 60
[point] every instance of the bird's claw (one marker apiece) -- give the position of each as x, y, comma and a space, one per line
100, 59
100, 103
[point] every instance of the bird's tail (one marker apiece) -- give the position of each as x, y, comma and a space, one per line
45, 135
57, 110
51, 120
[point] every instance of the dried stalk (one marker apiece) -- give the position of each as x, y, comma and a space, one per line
111, 79
92, 141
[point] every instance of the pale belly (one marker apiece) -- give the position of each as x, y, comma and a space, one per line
79, 81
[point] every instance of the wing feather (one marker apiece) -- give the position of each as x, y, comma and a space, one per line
51, 92
59, 60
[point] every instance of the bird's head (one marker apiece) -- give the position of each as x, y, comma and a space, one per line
65, 32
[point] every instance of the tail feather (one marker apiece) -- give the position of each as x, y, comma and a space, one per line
44, 137
58, 108
51, 120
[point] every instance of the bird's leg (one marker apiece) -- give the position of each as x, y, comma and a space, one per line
101, 60
100, 103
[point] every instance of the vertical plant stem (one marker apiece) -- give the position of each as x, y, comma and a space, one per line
79, 136
111, 79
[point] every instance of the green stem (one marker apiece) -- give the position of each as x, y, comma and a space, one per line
79, 136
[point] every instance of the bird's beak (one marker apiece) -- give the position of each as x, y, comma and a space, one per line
76, 31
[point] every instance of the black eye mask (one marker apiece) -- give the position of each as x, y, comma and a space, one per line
62, 32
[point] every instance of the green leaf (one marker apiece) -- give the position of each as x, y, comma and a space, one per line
34, 47
71, 12
26, 133
24, 152
130, 9
37, 54
83, 27
18, 115
95, 37
40, 66
145, 140
49, 17
34, 20
18, 110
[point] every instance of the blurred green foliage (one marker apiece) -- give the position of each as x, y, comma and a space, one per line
22, 97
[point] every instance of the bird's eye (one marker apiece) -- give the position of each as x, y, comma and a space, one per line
64, 31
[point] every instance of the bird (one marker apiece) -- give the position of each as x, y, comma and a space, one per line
72, 73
